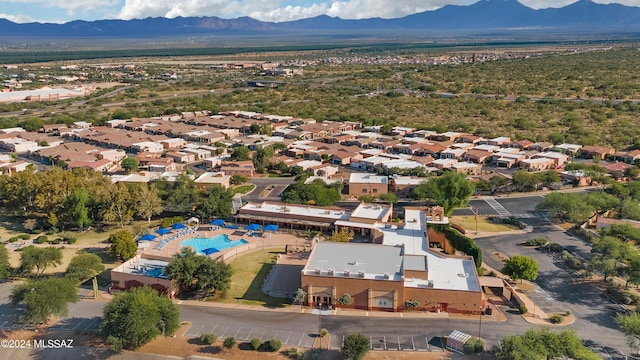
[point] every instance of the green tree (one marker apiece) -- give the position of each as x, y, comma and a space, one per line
137, 316
239, 179
39, 258
300, 296
356, 346
262, 158
130, 164
77, 207
43, 298
195, 272
148, 202
240, 153
216, 203
123, 246
630, 325
520, 267
450, 191
120, 205
538, 344
496, 182
84, 266
184, 194
5, 266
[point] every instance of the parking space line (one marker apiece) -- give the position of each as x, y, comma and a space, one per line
250, 332
236, 335
198, 332
287, 341
90, 326
261, 336
427, 342
413, 344
225, 330
301, 337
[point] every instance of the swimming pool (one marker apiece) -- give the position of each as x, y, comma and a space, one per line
212, 245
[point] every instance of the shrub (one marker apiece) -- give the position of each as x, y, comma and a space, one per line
13, 239
556, 319
209, 339
523, 310
324, 332
56, 241
42, 239
229, 343
567, 313
273, 345
473, 345
71, 240
255, 343
24, 236
537, 241
555, 247
294, 353
574, 263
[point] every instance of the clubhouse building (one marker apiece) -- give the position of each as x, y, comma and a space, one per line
400, 270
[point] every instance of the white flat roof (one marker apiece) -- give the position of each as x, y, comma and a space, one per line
367, 178
370, 211
302, 210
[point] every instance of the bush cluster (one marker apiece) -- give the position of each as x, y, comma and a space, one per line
209, 339
463, 243
556, 319
523, 310
537, 241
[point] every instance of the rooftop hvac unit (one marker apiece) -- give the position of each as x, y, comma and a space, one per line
361, 274
330, 272
386, 276
317, 271
346, 273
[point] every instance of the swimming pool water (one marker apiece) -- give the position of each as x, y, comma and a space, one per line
212, 245
154, 272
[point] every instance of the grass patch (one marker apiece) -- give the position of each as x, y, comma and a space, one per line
484, 225
249, 272
243, 189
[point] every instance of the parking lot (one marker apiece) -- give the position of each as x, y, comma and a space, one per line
247, 333
388, 342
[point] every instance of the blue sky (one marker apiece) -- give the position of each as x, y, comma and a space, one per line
266, 10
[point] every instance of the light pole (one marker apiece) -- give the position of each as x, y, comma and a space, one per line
480, 326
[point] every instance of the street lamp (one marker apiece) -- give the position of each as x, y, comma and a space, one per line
480, 326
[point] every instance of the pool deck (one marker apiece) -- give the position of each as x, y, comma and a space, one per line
205, 231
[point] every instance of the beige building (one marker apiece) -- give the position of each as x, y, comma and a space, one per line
367, 184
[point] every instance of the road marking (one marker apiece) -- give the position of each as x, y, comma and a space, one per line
413, 344
91, 324
495, 205
236, 335
399, 348
265, 330
225, 330
287, 341
301, 337
250, 332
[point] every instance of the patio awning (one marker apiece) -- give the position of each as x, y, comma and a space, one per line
253, 227
163, 231
178, 226
217, 222
147, 237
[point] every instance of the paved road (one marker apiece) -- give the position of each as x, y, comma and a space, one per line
594, 311
278, 184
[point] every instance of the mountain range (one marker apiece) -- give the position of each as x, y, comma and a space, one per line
485, 15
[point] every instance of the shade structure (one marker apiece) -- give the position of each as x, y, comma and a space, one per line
163, 231
147, 237
271, 227
217, 222
178, 226
253, 227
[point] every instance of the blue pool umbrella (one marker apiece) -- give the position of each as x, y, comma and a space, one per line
178, 226
232, 226
209, 251
253, 227
163, 231
217, 222
271, 227
147, 237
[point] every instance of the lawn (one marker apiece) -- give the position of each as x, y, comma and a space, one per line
243, 189
249, 272
484, 225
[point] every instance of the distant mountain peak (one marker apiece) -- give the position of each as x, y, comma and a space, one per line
484, 15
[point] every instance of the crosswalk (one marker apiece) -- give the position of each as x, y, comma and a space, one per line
531, 215
497, 207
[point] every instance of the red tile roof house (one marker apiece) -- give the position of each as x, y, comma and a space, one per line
244, 168
98, 165
626, 156
477, 156
616, 169
521, 144
596, 152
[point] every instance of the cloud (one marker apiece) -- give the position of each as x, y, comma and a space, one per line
20, 19
171, 8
